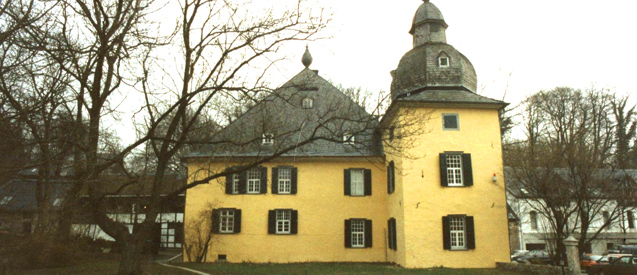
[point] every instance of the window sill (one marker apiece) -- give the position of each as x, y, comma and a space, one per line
459, 249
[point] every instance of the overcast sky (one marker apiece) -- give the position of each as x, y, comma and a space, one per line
541, 44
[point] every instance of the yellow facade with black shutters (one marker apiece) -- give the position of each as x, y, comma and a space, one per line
443, 205
421, 201
322, 210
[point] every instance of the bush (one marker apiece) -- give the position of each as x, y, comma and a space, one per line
38, 252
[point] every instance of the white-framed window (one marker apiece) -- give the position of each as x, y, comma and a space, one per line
169, 235
267, 138
254, 181
285, 180
235, 184
308, 103
533, 219
450, 122
443, 61
631, 219
226, 221
358, 233
283, 221
454, 169
349, 138
5, 200
606, 216
357, 182
457, 231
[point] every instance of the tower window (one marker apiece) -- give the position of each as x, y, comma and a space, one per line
443, 61
450, 122
308, 103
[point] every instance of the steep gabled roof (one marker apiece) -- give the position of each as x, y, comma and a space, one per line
22, 194
282, 114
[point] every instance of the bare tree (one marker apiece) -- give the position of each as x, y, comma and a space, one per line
104, 52
563, 167
201, 237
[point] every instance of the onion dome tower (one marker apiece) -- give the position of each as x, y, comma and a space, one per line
432, 64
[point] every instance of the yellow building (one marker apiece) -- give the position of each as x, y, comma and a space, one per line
308, 176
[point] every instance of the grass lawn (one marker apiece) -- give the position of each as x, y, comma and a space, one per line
332, 268
101, 266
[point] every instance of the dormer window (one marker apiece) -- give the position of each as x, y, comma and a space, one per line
57, 202
348, 138
308, 103
443, 61
6, 200
267, 139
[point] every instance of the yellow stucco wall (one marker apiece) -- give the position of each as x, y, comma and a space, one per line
418, 203
322, 209
424, 201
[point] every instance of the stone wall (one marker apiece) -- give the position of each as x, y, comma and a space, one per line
531, 268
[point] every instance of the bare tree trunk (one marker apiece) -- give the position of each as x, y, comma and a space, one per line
130, 263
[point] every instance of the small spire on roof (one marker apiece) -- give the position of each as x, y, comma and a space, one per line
307, 57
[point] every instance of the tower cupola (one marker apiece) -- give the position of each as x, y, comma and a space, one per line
432, 64
429, 25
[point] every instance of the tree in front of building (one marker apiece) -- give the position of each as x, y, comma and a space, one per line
563, 169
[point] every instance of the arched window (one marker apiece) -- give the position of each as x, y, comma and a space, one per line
308, 103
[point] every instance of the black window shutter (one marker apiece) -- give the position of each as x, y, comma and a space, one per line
294, 225
263, 172
229, 181
394, 236
443, 169
471, 236
446, 234
390, 178
390, 232
237, 220
348, 233
368, 233
346, 183
368, 182
467, 171
271, 221
215, 221
243, 182
275, 180
179, 233
294, 180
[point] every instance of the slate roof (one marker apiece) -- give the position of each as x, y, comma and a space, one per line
427, 12
282, 115
515, 188
22, 192
450, 95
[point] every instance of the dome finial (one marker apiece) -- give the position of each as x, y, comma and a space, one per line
307, 57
